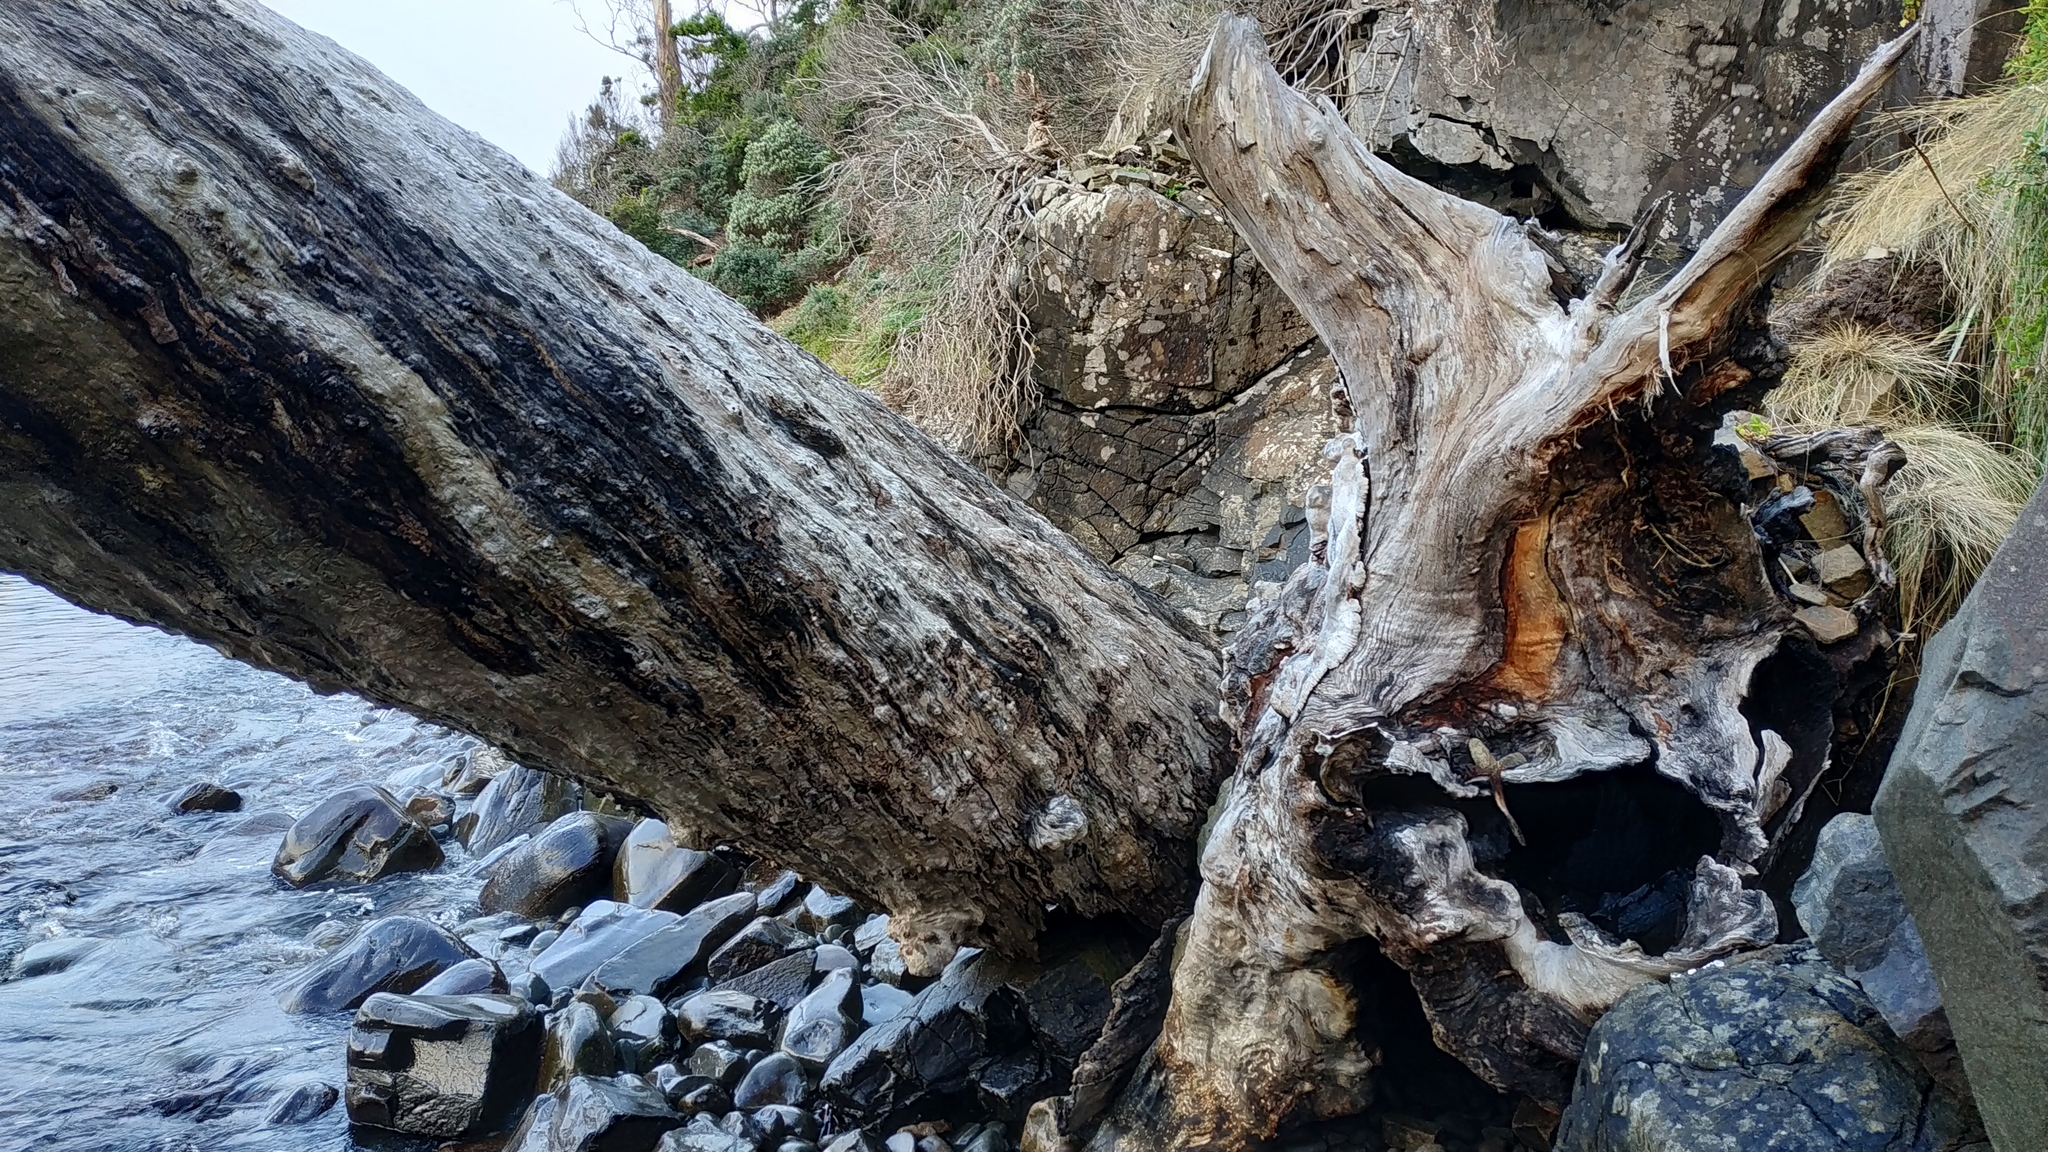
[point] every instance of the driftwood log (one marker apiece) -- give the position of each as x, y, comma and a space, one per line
1512, 724
294, 366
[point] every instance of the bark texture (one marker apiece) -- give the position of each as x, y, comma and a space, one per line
293, 366
1535, 594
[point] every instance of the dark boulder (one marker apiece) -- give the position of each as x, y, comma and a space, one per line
772, 886
824, 1022
442, 1066
659, 964
603, 929
1963, 813
720, 1061
516, 801
1849, 903
1066, 1006
300, 1103
1771, 1051
644, 1033
822, 911
931, 1049
734, 1017
395, 954
776, 1079
761, 941
577, 1044
593, 1114
207, 797
653, 871
474, 977
703, 1134
781, 983
357, 835
566, 865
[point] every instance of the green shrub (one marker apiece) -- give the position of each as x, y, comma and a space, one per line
753, 274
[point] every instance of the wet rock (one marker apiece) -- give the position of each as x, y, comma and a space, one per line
592, 1114
831, 956
1773, 1050
855, 1140
568, 864
777, 1079
886, 964
881, 1003
430, 809
872, 931
577, 1045
824, 1022
643, 1032
702, 1134
357, 835
719, 1061
1963, 813
1850, 904
821, 910
207, 797
782, 1121
782, 983
603, 929
772, 887
742, 1126
472, 773
928, 1051
659, 964
395, 954
90, 793
442, 1066
1066, 1007
735, 1017
519, 800
653, 871
47, 957
762, 940
301, 1103
698, 1094
467, 978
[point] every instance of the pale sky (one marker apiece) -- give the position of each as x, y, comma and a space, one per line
513, 71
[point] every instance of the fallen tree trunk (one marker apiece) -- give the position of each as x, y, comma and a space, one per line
1523, 722
297, 368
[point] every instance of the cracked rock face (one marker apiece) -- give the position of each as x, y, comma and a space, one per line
1774, 1050
1594, 110
1184, 401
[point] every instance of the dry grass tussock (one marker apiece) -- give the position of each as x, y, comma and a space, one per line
1971, 197
1968, 197
948, 134
1959, 493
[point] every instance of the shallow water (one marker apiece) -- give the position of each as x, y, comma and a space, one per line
168, 1036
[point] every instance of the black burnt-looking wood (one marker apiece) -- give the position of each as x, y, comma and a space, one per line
295, 367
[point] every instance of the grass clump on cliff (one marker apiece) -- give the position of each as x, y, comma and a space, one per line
1967, 199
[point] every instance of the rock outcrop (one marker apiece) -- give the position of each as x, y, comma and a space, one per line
1184, 403
1774, 1050
1850, 904
1963, 814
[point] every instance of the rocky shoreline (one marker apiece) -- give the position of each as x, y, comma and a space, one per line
612, 989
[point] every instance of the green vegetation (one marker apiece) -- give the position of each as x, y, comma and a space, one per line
1970, 407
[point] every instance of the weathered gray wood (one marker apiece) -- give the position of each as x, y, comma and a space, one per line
293, 366
1518, 559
